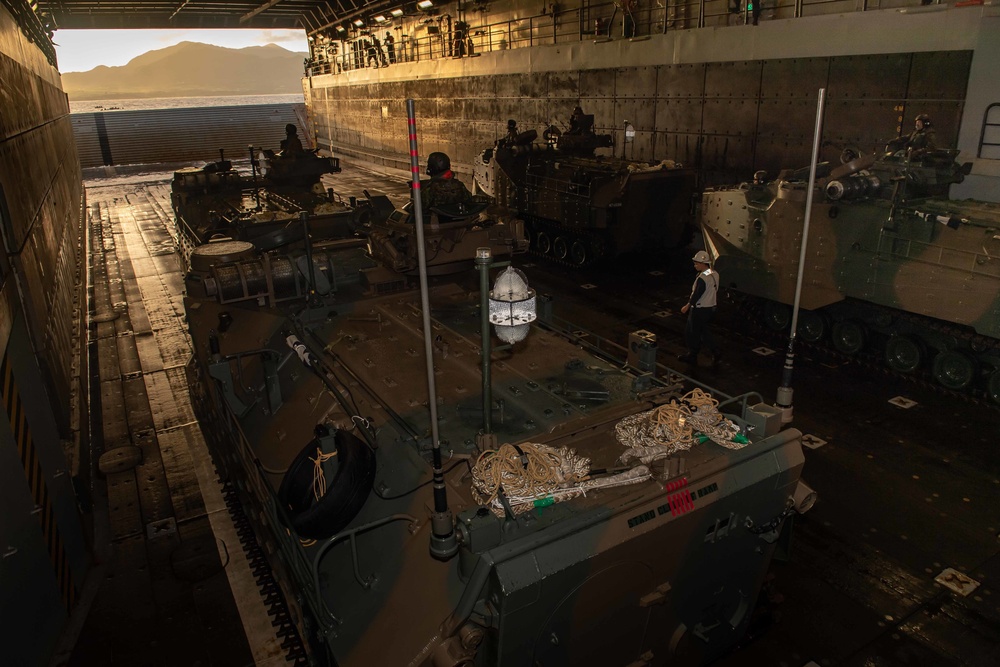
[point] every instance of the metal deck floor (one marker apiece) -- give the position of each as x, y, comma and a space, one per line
904, 493
172, 585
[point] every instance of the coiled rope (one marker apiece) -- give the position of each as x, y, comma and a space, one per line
527, 469
674, 426
535, 475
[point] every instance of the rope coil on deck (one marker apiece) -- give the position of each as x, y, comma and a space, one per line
673, 427
535, 475
527, 469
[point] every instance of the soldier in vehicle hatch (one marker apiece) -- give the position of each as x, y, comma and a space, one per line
443, 188
576, 121
291, 146
918, 142
701, 305
511, 138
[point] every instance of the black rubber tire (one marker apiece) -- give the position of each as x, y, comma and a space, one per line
812, 326
849, 336
777, 316
993, 385
954, 370
904, 354
543, 243
578, 252
346, 492
560, 248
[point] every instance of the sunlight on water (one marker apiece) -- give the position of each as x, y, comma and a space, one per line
90, 106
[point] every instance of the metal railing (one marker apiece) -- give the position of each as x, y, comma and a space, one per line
599, 23
989, 136
31, 25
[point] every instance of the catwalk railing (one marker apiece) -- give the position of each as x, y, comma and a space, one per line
598, 23
37, 32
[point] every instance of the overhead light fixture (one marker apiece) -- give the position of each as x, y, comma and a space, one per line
397, 12
341, 28
380, 19
425, 4
359, 23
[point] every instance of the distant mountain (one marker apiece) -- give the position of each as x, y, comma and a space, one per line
192, 69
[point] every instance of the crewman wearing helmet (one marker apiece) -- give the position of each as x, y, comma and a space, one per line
291, 145
443, 188
511, 138
700, 309
922, 138
918, 142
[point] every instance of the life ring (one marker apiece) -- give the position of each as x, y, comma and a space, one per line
346, 493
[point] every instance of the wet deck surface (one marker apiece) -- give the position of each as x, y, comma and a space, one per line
904, 492
170, 566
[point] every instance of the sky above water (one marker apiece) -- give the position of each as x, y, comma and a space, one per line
82, 50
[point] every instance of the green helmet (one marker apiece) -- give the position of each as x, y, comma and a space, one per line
438, 163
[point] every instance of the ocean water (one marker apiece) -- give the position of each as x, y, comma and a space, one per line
90, 106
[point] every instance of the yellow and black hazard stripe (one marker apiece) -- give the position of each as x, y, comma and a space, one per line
36, 483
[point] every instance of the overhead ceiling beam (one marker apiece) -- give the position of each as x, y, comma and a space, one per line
264, 14
356, 9
318, 18
305, 17
320, 11
178, 10
263, 8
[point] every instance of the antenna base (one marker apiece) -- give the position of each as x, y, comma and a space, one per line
784, 402
444, 544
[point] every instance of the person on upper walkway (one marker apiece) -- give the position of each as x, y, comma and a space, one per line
390, 47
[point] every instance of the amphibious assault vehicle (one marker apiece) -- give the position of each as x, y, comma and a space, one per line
571, 504
581, 208
277, 207
217, 200
892, 265
453, 233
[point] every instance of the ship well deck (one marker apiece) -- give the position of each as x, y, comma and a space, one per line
905, 493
